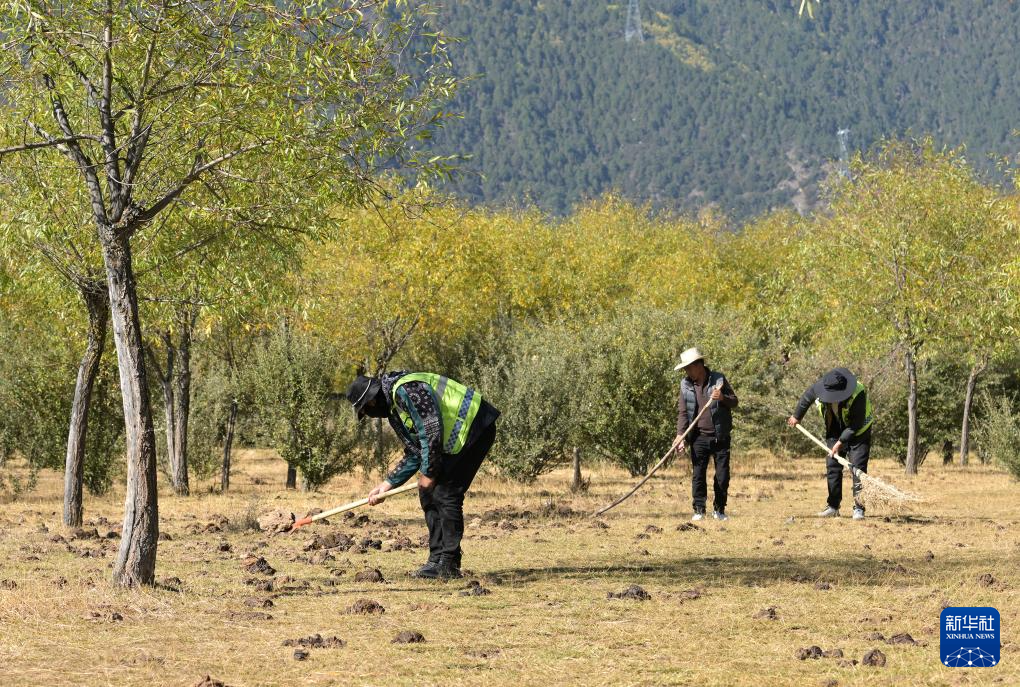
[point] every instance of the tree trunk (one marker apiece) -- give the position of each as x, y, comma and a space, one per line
175, 381
291, 476
947, 452
167, 386
97, 303
968, 402
228, 442
911, 365
576, 482
182, 401
136, 559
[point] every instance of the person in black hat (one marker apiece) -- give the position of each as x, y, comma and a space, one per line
845, 408
447, 430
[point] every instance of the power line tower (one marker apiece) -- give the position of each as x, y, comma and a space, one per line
844, 153
633, 30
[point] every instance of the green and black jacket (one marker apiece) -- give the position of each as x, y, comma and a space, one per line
423, 442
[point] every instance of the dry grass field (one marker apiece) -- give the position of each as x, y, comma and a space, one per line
548, 567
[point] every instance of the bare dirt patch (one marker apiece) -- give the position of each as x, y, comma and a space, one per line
409, 637
316, 641
475, 588
874, 658
258, 565
986, 580
370, 575
365, 607
329, 540
902, 638
634, 592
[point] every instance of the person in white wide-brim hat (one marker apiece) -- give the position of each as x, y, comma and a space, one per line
711, 437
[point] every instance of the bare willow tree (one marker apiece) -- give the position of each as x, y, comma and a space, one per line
259, 114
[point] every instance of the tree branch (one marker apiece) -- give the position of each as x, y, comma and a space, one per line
41, 144
192, 177
77, 154
139, 137
109, 137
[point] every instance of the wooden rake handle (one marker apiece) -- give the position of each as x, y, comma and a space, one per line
662, 461
352, 505
840, 459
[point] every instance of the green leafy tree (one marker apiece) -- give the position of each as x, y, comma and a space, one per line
905, 235
999, 431
532, 375
248, 111
293, 375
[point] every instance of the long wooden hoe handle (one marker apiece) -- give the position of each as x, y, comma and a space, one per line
662, 461
842, 461
352, 505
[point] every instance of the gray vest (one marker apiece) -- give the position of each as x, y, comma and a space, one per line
722, 418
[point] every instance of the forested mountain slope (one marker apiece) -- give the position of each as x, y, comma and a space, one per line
735, 103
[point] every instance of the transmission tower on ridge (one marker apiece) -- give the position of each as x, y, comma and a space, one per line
633, 31
844, 153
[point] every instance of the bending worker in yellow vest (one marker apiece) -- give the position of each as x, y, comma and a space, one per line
447, 430
846, 412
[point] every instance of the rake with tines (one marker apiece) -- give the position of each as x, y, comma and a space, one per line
873, 490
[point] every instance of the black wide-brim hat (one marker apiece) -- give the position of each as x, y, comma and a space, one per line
836, 385
362, 390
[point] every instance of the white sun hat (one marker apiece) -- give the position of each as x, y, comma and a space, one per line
689, 356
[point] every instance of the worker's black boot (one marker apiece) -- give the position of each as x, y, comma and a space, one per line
428, 571
448, 567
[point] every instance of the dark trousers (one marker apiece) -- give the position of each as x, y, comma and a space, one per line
701, 449
444, 503
856, 451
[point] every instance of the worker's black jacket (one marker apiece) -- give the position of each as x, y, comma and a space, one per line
834, 427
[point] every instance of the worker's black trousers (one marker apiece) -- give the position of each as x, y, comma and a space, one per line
856, 451
701, 450
444, 503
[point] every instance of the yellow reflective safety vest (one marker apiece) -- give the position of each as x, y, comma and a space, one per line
458, 404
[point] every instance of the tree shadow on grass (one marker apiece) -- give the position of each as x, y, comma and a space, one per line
745, 571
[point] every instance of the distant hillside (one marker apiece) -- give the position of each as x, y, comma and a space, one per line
735, 103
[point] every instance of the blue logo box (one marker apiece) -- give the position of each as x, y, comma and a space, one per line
970, 637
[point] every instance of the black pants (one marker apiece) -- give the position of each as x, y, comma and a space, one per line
444, 503
701, 449
856, 451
